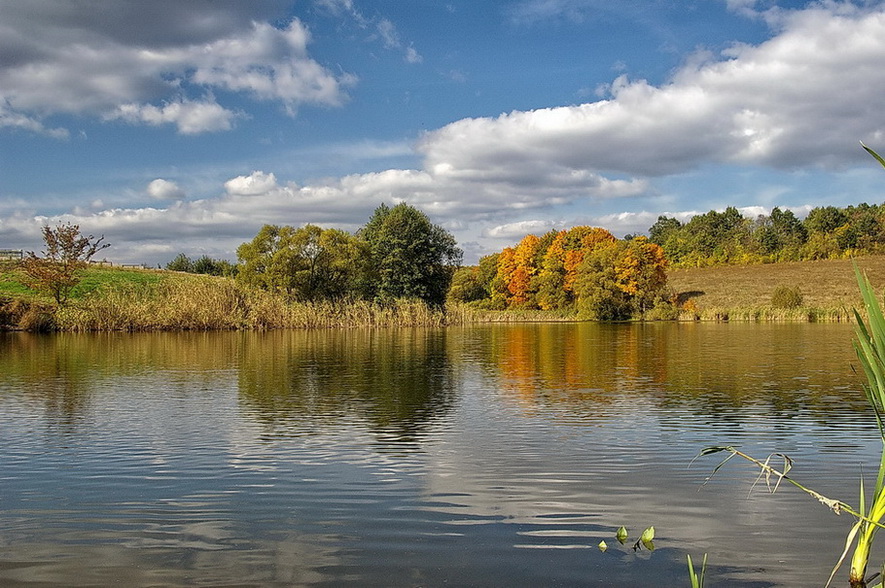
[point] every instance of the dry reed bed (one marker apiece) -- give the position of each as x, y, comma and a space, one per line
219, 304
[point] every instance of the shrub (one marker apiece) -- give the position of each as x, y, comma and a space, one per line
786, 297
662, 311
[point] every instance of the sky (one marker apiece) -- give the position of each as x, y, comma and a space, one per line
183, 127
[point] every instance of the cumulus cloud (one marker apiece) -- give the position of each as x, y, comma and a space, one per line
256, 183
60, 61
161, 189
802, 98
190, 117
520, 229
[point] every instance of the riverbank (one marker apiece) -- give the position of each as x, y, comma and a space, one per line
167, 301
113, 299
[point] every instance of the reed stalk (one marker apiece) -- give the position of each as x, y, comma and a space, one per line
870, 348
697, 578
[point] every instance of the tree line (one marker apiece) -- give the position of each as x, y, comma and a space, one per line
728, 237
398, 253
583, 269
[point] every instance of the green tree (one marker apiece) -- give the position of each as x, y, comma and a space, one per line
308, 263
66, 255
410, 256
181, 263
467, 285
663, 228
825, 219
332, 264
599, 295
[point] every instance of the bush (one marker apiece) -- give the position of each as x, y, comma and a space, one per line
662, 311
786, 297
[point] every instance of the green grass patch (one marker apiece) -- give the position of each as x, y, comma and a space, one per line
104, 277
13, 281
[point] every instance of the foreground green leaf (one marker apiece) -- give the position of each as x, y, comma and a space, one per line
697, 580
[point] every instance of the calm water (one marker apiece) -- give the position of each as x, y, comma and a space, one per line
489, 456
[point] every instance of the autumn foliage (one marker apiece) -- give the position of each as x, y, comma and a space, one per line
583, 269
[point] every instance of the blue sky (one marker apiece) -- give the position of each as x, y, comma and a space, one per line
185, 126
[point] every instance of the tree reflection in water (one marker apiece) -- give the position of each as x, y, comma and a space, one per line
396, 381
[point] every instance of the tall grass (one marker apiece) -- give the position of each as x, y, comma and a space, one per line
461, 313
208, 303
770, 314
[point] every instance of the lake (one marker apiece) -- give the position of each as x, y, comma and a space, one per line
479, 456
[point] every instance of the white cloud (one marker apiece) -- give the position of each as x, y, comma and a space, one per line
191, 118
254, 184
161, 189
390, 39
802, 98
412, 55
15, 120
529, 12
67, 63
270, 64
520, 229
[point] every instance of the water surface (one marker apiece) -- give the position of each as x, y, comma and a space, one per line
477, 456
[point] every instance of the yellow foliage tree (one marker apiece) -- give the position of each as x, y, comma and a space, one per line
524, 269
641, 271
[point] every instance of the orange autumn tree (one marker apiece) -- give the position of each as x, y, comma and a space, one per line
514, 283
556, 280
583, 268
522, 294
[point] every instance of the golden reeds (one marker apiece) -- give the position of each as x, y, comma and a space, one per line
206, 303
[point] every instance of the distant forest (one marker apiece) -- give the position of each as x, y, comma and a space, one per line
588, 270
728, 237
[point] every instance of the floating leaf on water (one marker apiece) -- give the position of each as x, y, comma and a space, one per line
621, 535
603, 546
648, 535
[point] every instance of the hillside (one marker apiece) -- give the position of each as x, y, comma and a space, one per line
825, 284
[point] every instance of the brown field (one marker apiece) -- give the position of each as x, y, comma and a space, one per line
826, 284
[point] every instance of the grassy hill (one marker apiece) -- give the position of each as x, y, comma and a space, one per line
828, 286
